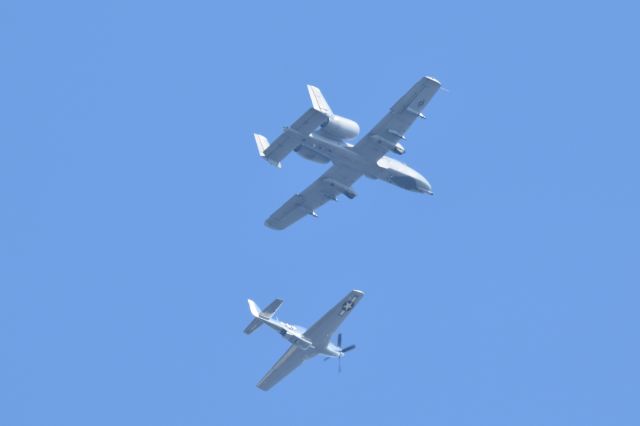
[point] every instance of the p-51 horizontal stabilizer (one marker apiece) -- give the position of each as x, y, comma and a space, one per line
259, 316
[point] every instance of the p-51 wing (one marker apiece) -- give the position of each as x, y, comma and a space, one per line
391, 129
288, 362
335, 181
320, 332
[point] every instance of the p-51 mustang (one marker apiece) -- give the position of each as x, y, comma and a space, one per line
305, 344
320, 135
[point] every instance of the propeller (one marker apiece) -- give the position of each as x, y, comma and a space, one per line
342, 351
348, 348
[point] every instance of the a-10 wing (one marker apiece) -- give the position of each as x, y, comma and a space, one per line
391, 129
327, 187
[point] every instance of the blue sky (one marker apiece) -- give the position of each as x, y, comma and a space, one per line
131, 227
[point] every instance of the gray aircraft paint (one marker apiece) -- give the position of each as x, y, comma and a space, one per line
320, 135
305, 343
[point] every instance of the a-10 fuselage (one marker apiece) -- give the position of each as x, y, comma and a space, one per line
328, 144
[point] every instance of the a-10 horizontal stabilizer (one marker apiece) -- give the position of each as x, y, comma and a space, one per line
294, 135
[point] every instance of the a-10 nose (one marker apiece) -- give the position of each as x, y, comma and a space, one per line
425, 187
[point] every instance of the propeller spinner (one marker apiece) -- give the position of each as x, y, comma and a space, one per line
342, 351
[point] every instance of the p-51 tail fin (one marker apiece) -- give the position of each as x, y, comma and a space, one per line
261, 316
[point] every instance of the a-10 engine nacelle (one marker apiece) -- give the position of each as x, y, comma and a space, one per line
340, 128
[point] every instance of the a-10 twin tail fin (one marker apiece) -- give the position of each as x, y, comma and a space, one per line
261, 316
263, 144
318, 101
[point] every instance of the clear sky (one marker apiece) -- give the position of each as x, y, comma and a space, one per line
133, 202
